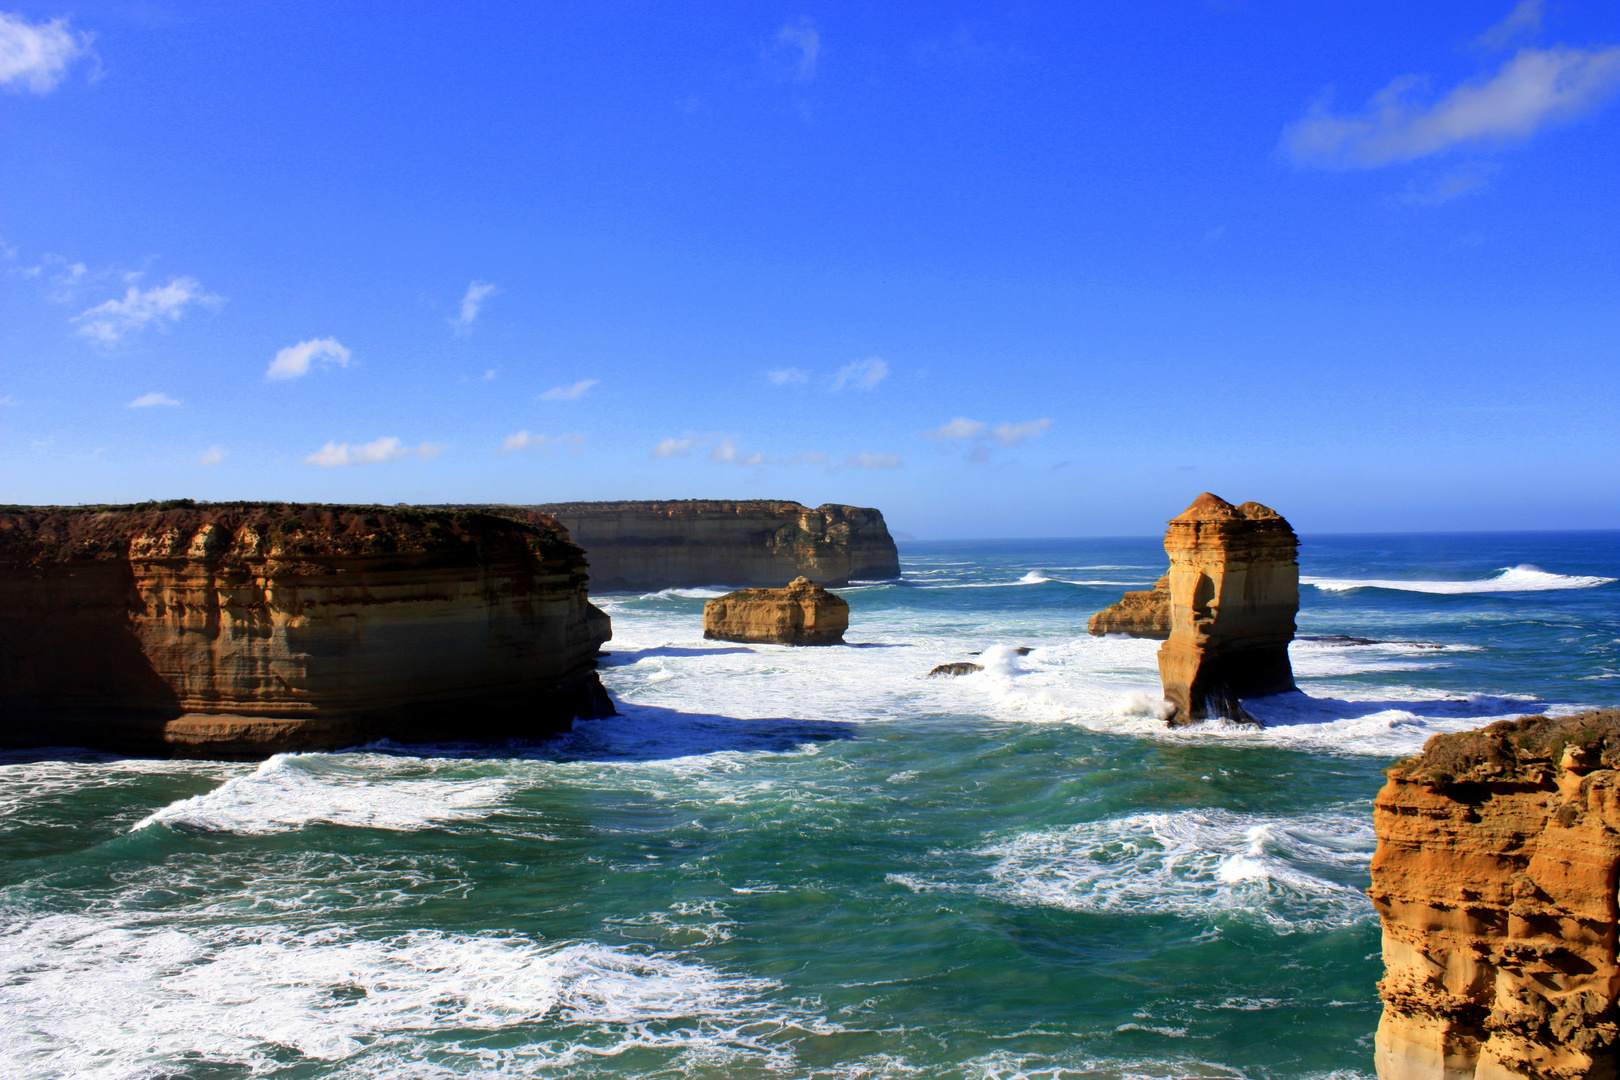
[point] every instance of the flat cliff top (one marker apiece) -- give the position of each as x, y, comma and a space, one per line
690, 506
1523, 749
46, 535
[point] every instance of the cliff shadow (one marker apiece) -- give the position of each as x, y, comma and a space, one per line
623, 657
1297, 707
651, 733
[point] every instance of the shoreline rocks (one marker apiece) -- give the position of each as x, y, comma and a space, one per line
246, 629
1143, 614
647, 546
1234, 592
803, 613
1494, 878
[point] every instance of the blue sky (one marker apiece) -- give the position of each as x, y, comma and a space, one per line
999, 270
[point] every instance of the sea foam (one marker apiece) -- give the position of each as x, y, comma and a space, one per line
1524, 578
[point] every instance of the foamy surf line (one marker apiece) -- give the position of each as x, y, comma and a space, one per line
1509, 579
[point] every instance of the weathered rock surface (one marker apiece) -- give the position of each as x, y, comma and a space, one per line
1144, 614
1234, 592
646, 546
804, 613
241, 630
953, 670
1495, 877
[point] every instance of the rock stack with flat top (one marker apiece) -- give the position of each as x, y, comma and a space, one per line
804, 613
1498, 853
1234, 592
1144, 614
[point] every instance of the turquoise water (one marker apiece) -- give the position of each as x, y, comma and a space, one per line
802, 863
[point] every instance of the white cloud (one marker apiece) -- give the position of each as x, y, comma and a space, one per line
146, 401
872, 461
472, 302
788, 377
1525, 18
862, 375
668, 448
294, 360
524, 441
389, 449
35, 56
1535, 89
212, 456
802, 41
1013, 434
960, 428
568, 393
726, 452
139, 309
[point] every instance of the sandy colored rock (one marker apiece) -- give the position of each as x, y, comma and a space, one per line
1495, 879
804, 613
241, 630
1143, 614
1234, 592
646, 546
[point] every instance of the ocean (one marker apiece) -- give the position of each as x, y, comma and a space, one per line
796, 863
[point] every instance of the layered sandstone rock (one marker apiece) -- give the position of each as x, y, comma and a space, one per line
1495, 878
802, 614
1144, 614
1234, 592
240, 630
645, 546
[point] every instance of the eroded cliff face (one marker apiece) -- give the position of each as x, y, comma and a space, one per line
1234, 592
646, 546
804, 613
1495, 878
1143, 614
240, 630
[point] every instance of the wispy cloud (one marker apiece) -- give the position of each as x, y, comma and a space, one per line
141, 308
872, 461
334, 454
294, 361
472, 302
1525, 18
668, 448
1536, 89
1013, 434
787, 377
862, 375
727, 453
975, 436
146, 401
524, 441
800, 43
35, 56
211, 456
569, 393
960, 428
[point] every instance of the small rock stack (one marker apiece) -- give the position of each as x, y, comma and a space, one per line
802, 614
1144, 614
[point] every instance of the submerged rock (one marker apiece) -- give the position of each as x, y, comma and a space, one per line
804, 613
1144, 614
1494, 878
956, 669
1234, 592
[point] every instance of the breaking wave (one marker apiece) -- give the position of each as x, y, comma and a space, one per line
1523, 578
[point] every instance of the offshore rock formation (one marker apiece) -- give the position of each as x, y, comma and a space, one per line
1495, 875
802, 614
953, 670
1144, 614
241, 630
1234, 591
645, 546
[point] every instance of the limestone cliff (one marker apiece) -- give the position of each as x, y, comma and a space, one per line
646, 546
804, 613
1234, 592
1495, 878
1144, 614
240, 630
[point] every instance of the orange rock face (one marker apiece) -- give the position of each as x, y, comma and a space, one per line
1144, 614
645, 546
802, 614
1234, 592
243, 630
1495, 878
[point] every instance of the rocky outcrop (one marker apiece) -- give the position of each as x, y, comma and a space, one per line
953, 670
240, 630
645, 546
802, 614
1495, 878
1234, 592
1144, 614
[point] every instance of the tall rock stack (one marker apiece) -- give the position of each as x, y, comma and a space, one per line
1498, 854
1234, 592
